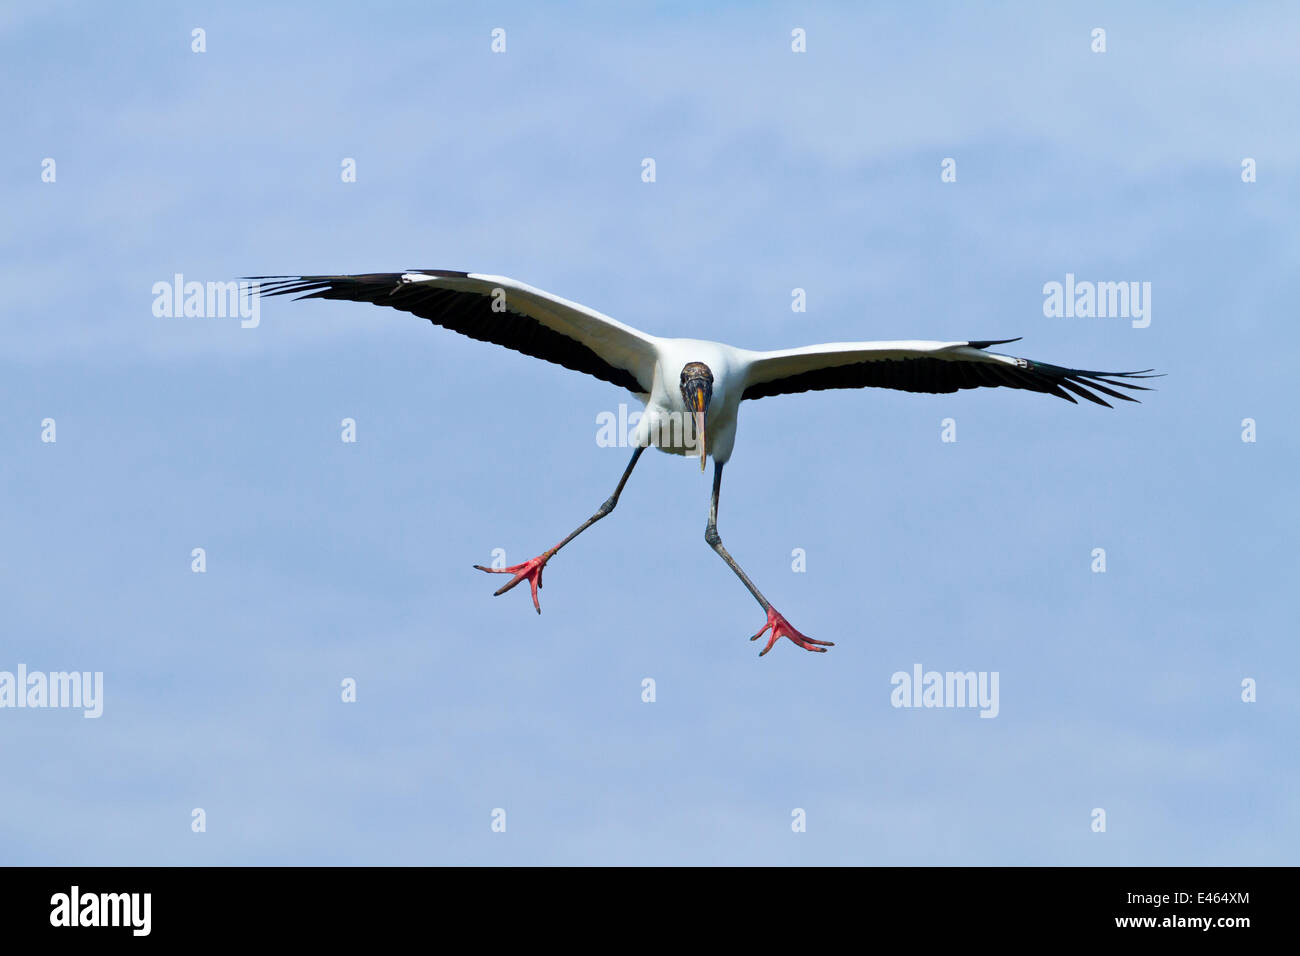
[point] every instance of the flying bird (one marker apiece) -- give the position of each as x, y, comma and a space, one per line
692, 389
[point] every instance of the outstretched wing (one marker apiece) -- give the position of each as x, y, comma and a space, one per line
925, 367
498, 310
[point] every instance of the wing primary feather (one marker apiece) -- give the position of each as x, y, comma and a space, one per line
1083, 392
1108, 391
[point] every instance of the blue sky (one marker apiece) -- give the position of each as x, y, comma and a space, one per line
774, 170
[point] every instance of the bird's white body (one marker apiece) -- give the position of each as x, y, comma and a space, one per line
668, 424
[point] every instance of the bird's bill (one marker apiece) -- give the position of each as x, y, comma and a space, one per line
699, 426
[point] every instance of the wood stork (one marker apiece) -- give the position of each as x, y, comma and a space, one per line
691, 389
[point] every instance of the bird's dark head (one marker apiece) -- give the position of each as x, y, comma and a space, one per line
697, 391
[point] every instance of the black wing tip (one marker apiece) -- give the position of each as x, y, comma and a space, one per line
285, 285
1086, 383
985, 343
366, 276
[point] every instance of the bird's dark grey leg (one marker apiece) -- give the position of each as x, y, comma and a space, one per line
715, 540
605, 508
779, 625
532, 569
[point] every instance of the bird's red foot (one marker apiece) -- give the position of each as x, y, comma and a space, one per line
782, 628
530, 569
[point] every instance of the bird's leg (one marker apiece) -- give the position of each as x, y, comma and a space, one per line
532, 569
775, 620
